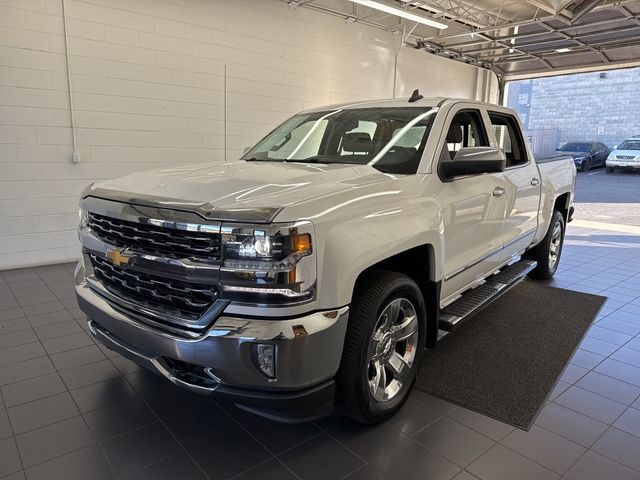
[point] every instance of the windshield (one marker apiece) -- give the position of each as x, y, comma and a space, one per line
389, 139
630, 145
576, 147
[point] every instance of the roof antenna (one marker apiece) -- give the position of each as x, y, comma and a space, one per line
415, 96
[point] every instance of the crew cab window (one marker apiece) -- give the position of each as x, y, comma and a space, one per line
466, 130
509, 138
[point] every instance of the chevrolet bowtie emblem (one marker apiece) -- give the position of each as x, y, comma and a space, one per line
118, 257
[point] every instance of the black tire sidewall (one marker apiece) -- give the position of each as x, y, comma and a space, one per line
367, 311
543, 257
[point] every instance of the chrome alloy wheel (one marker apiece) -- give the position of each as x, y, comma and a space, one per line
554, 246
392, 349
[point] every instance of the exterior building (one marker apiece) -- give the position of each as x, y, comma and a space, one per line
599, 106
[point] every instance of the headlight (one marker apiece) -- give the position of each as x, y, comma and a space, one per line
83, 218
268, 263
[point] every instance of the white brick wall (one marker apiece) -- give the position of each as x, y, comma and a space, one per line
147, 78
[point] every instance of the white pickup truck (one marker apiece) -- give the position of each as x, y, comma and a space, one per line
310, 274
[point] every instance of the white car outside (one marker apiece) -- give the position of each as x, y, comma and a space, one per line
626, 155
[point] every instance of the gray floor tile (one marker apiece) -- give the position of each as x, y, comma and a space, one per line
53, 441
9, 326
454, 441
365, 473
26, 369
619, 446
571, 425
180, 466
17, 338
544, 447
87, 374
620, 370
67, 342
627, 355
9, 458
119, 418
85, 463
410, 461
414, 416
572, 373
62, 329
596, 467
21, 353
590, 404
32, 389
135, 450
103, 394
501, 463
5, 426
368, 441
43, 412
49, 318
480, 423
586, 359
629, 422
41, 308
274, 470
609, 387
77, 357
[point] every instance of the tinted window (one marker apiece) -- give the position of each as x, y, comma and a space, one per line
576, 147
509, 138
466, 130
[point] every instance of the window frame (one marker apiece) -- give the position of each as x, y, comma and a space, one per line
515, 124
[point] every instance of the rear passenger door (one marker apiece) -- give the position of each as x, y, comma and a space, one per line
523, 185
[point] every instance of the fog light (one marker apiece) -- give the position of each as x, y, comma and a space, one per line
264, 359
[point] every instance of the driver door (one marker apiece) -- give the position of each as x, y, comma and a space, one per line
474, 208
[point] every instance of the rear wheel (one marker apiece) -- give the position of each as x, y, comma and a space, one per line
547, 253
383, 347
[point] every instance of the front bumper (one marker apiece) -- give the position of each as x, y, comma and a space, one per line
631, 164
308, 352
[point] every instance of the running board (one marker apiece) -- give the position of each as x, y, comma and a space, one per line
476, 299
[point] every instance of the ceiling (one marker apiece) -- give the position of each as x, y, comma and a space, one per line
515, 39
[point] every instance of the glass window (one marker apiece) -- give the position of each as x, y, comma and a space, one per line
629, 145
576, 147
466, 130
389, 139
509, 138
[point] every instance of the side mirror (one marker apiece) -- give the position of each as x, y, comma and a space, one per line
472, 160
615, 147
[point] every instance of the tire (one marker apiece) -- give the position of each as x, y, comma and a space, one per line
587, 165
610, 169
547, 253
367, 389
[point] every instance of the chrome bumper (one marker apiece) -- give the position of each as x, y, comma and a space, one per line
308, 348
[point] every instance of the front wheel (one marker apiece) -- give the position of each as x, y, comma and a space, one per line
610, 169
587, 165
383, 347
547, 253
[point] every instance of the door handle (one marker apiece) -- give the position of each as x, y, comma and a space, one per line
535, 182
498, 191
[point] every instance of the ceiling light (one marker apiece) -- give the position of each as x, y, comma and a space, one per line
400, 13
563, 50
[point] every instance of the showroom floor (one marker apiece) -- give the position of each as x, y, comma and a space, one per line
72, 410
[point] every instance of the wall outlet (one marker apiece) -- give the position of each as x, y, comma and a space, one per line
75, 157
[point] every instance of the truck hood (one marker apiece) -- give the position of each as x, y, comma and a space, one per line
239, 185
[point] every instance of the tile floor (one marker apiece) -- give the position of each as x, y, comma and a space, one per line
70, 409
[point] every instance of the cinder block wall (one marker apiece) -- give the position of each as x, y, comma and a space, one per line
148, 86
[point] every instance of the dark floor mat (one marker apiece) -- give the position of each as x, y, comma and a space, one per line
505, 361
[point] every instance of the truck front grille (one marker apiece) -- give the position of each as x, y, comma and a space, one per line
157, 240
174, 297
625, 157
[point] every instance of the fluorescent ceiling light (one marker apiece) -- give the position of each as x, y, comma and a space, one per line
563, 50
400, 13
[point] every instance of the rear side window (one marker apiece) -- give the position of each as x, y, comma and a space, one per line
509, 138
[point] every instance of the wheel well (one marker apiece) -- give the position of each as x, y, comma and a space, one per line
562, 205
417, 263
